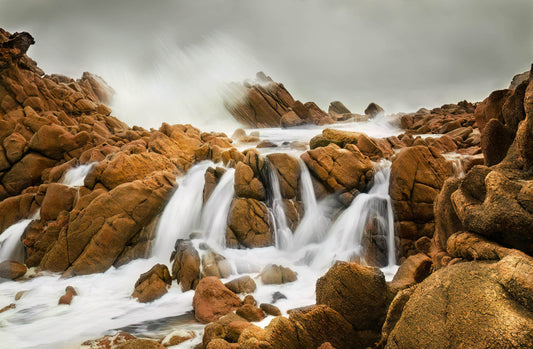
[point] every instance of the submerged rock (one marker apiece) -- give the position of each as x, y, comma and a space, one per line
277, 274
70, 293
153, 284
186, 265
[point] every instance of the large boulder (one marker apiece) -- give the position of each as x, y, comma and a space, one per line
249, 224
212, 300
357, 292
12, 270
417, 175
473, 304
340, 170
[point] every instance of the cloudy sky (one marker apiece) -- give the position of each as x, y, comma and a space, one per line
167, 58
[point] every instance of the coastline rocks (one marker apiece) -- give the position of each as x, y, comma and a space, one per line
249, 224
12, 270
108, 342
212, 300
70, 292
454, 306
373, 110
153, 284
243, 284
186, 265
214, 264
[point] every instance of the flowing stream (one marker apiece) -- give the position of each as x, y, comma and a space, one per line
104, 302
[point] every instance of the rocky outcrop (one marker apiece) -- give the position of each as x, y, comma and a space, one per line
475, 304
268, 104
186, 265
417, 175
212, 300
373, 110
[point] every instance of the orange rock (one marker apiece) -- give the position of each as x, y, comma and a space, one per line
212, 300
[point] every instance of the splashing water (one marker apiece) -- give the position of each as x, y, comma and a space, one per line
216, 209
11, 247
282, 232
75, 177
182, 214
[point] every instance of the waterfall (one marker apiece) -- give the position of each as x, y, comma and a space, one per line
216, 209
315, 222
344, 237
10, 246
75, 177
282, 232
182, 213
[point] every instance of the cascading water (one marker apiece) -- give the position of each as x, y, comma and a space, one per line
75, 177
10, 246
182, 214
216, 209
282, 232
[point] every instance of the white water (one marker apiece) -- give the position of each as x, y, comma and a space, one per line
216, 209
11, 247
75, 177
182, 214
282, 232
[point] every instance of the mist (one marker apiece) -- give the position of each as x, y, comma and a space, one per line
167, 60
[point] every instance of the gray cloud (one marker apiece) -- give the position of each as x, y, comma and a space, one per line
401, 54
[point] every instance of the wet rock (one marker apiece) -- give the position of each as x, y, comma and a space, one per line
276, 274
12, 270
244, 284
276, 296
70, 292
58, 198
336, 107
356, 292
212, 177
249, 224
140, 344
153, 284
186, 265
373, 110
250, 312
8, 307
288, 171
212, 300
291, 119
249, 299
218, 329
270, 309
340, 170
434, 316
247, 184
26, 172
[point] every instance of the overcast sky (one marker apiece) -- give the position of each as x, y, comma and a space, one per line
401, 54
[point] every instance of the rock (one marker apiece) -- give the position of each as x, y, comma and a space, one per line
340, 170
70, 292
212, 300
373, 110
276, 274
249, 224
12, 270
276, 296
244, 284
518, 79
266, 144
270, 309
417, 175
247, 184
153, 284
412, 271
453, 306
26, 172
291, 119
15, 147
186, 265
177, 337
219, 328
250, 313
495, 142
8, 307
249, 299
337, 107
109, 342
356, 292
287, 169
58, 198
216, 265
212, 177
474, 247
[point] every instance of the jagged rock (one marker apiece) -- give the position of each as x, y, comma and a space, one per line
12, 270
153, 284
453, 306
218, 329
337, 107
212, 300
70, 293
186, 265
356, 292
177, 337
249, 224
109, 342
277, 274
518, 79
246, 184
58, 198
250, 312
243, 284
291, 119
